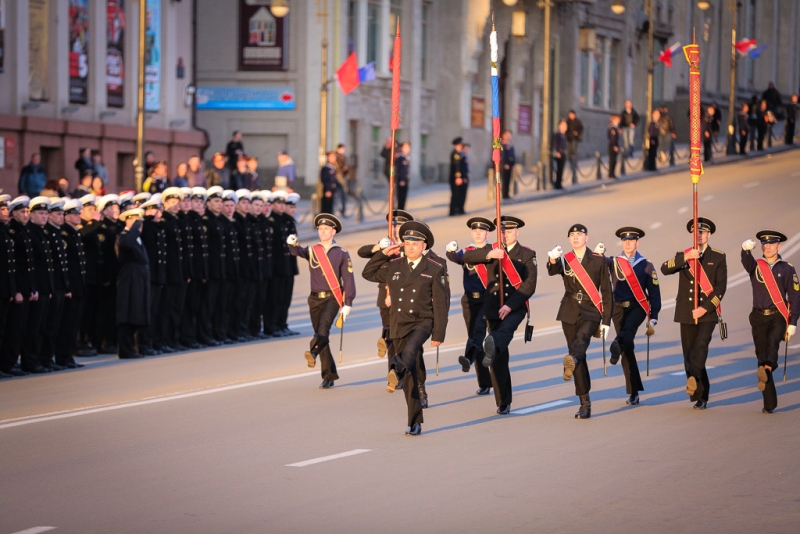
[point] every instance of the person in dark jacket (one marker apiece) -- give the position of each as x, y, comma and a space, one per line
791, 120
214, 297
707, 128
8, 287
36, 327
76, 270
764, 126
84, 162
234, 149
574, 136
108, 229
613, 134
652, 133
753, 122
743, 122
327, 176
386, 154
401, 174
91, 248
218, 174
154, 239
193, 333
508, 159
262, 323
174, 290
233, 269
456, 176
249, 266
133, 285
560, 152
32, 177
62, 289
629, 119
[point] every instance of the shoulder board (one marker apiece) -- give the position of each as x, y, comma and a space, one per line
433, 261
456, 156
718, 251
598, 255
790, 265
527, 248
396, 259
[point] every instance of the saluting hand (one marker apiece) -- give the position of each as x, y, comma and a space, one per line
392, 250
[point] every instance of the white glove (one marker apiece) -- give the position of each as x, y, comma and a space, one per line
555, 253
749, 245
291, 240
604, 328
653, 322
452, 246
790, 330
345, 312
600, 249
385, 242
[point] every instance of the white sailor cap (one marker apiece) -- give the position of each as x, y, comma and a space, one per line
88, 199
73, 205
215, 191
187, 192
153, 202
266, 195
199, 192
280, 196
139, 198
229, 194
56, 204
107, 200
125, 199
244, 194
19, 202
4, 199
293, 199
134, 212
172, 192
39, 203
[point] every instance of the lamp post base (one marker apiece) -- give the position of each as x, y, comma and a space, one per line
732, 149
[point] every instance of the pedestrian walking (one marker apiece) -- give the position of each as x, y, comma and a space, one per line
613, 135
629, 119
560, 152
574, 137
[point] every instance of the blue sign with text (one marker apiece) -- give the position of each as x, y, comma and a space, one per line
246, 98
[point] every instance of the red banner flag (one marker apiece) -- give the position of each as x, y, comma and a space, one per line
396, 79
347, 75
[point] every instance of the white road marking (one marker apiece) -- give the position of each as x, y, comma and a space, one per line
794, 346
329, 458
748, 185
35, 530
540, 407
683, 210
707, 198
655, 225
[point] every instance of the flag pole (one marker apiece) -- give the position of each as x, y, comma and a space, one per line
692, 54
395, 121
496, 147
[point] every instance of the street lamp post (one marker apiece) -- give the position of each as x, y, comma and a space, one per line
138, 169
544, 149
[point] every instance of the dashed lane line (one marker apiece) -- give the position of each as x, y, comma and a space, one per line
329, 458
35, 530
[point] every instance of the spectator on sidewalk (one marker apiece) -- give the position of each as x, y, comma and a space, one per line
32, 177
666, 134
791, 120
342, 176
181, 176
50, 189
574, 136
401, 167
149, 161
63, 188
508, 159
240, 177
234, 149
252, 168
764, 123
195, 173
98, 189
707, 128
753, 122
744, 128
158, 180
560, 148
386, 154
327, 175
613, 135
84, 161
218, 174
628, 120
285, 169
456, 172
99, 168
652, 135
773, 99
84, 187
716, 122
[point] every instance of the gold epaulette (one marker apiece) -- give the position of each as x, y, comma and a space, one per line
718, 251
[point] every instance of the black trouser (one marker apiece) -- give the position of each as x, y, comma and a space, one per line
762, 133
650, 162
67, 335
626, 322
246, 298
695, 339
172, 301
612, 161
323, 312
191, 327
385, 334
15, 334
503, 332
232, 311
768, 332
572, 153
743, 144
106, 316
5, 305
707, 148
326, 205
34, 332
127, 335
578, 336
214, 316
789, 133
559, 171
409, 351
461, 197
261, 290
55, 313
475, 320
273, 304
453, 199
402, 194
505, 182
150, 335
285, 299
89, 316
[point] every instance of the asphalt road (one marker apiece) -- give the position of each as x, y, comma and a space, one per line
206, 441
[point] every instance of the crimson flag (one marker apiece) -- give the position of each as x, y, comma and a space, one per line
347, 75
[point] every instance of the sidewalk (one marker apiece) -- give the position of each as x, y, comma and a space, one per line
431, 202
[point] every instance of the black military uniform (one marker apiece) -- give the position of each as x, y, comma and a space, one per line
695, 337
580, 318
769, 325
108, 266
327, 176
73, 306
613, 134
280, 272
133, 290
36, 327
456, 173
322, 303
214, 316
628, 314
501, 331
708, 136
260, 317
289, 226
91, 247
508, 159
61, 287
247, 285
25, 281
174, 292
154, 239
472, 307
232, 279
420, 305
8, 290
402, 178
193, 332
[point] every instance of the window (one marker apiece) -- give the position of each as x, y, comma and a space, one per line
352, 26
373, 27
395, 13
613, 75
426, 13
600, 74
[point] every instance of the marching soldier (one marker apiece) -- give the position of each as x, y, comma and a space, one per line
776, 307
637, 297
91, 248
519, 284
108, 266
697, 326
174, 291
8, 288
61, 285
333, 289
232, 268
193, 332
283, 269
154, 238
585, 308
476, 280
133, 292
420, 303
76, 268
248, 263
36, 328
213, 324
262, 232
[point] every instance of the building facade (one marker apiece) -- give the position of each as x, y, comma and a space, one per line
68, 80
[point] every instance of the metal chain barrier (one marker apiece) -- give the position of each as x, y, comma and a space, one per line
592, 171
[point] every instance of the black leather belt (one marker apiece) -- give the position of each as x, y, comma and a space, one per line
624, 304
578, 296
475, 295
766, 311
321, 294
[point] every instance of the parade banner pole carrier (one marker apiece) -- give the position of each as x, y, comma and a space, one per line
496, 147
395, 120
692, 54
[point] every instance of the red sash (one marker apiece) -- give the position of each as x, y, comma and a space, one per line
772, 288
509, 269
705, 284
480, 268
327, 272
633, 282
584, 279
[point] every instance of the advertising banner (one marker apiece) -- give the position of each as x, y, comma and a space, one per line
38, 42
152, 57
524, 119
78, 31
263, 38
277, 97
115, 53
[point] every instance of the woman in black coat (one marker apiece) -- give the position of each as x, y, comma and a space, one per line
133, 284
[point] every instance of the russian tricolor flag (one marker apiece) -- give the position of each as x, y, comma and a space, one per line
666, 56
746, 45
